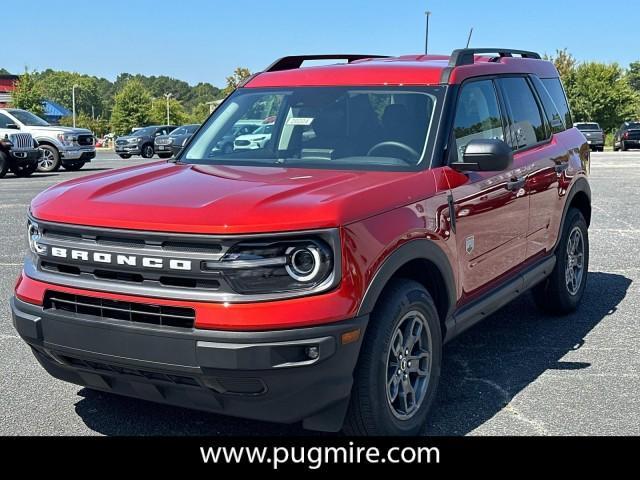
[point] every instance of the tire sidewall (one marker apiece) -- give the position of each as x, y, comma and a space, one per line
145, 151
574, 218
4, 164
389, 315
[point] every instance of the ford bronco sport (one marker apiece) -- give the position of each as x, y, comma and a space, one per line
397, 202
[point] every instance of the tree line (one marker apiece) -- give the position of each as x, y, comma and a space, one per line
130, 101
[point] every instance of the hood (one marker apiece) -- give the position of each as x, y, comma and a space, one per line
57, 129
223, 200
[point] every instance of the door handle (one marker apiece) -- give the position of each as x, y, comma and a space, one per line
515, 184
561, 167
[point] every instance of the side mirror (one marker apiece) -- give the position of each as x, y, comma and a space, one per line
485, 155
12, 126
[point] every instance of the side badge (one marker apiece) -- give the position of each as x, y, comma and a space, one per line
469, 243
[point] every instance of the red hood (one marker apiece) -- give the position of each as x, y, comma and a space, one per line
221, 199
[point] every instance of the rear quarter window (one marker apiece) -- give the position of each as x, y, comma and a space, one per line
527, 124
555, 119
554, 87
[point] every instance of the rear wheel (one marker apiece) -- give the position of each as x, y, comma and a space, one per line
147, 151
24, 170
562, 291
399, 366
4, 164
623, 147
50, 159
74, 166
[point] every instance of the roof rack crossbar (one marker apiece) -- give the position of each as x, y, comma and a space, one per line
465, 56
295, 61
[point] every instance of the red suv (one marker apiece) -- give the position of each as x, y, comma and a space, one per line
395, 203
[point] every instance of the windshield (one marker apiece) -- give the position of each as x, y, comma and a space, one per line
178, 131
588, 126
319, 127
632, 124
28, 118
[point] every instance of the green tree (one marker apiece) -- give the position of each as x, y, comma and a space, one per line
4, 71
564, 62
177, 114
601, 93
58, 86
132, 107
98, 125
633, 75
238, 75
28, 94
199, 113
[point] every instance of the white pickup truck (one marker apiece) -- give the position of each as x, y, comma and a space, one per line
68, 147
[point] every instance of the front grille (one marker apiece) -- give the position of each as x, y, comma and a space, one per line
163, 141
161, 315
242, 143
21, 141
107, 368
85, 140
121, 142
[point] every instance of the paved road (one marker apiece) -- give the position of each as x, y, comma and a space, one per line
518, 373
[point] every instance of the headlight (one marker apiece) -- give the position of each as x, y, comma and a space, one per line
295, 265
33, 235
139, 139
67, 138
259, 139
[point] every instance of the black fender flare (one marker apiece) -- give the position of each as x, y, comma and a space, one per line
420, 249
581, 185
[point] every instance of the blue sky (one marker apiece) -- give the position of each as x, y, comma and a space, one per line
198, 40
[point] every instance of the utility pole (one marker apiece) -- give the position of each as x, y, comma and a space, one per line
168, 96
426, 37
469, 37
93, 113
73, 101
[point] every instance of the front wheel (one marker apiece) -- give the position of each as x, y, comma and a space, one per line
74, 166
50, 159
562, 291
4, 164
164, 155
24, 170
147, 151
124, 156
399, 366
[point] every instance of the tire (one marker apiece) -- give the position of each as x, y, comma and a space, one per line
147, 151
615, 149
50, 160
373, 409
124, 155
74, 166
25, 170
227, 149
558, 294
4, 164
623, 147
164, 155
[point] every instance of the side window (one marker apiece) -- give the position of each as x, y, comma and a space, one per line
527, 125
4, 120
477, 115
554, 87
553, 114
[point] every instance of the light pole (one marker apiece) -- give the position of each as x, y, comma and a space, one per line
426, 36
73, 101
168, 96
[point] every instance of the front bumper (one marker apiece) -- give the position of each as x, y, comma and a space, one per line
25, 157
263, 375
84, 153
133, 149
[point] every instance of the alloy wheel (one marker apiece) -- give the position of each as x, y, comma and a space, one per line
408, 365
574, 270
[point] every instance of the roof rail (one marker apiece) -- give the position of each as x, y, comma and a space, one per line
295, 61
465, 56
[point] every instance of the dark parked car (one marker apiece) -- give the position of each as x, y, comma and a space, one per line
167, 145
627, 136
19, 153
593, 133
140, 142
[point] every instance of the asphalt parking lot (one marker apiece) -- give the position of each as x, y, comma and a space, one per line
518, 373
